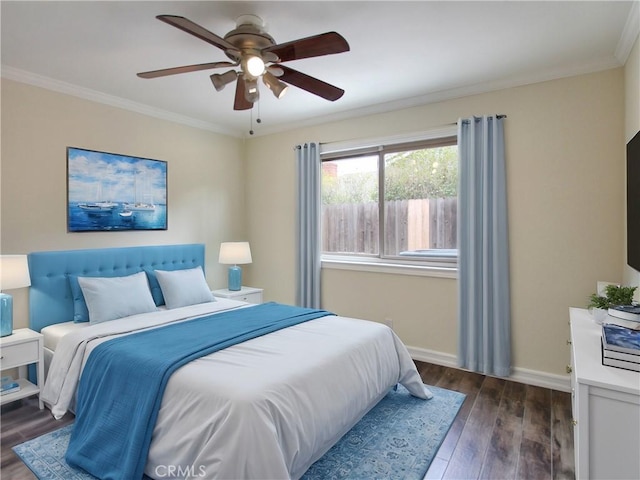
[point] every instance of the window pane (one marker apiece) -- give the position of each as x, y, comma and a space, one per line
350, 206
420, 202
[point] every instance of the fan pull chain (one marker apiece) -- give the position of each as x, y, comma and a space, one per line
258, 119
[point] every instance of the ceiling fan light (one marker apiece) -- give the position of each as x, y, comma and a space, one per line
278, 87
251, 92
254, 66
219, 81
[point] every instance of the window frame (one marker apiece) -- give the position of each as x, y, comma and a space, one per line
441, 266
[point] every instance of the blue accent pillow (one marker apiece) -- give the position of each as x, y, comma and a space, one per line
80, 310
154, 286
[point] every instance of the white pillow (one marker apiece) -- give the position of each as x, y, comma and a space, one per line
184, 287
109, 298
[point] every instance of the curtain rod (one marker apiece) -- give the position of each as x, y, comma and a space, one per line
298, 147
305, 145
499, 115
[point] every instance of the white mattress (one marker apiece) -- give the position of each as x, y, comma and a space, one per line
53, 333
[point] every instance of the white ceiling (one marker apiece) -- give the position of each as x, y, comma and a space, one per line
402, 53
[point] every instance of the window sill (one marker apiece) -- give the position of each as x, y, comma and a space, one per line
393, 268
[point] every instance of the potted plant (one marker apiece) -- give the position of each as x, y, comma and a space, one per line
614, 295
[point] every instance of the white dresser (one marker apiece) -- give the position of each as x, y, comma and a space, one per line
606, 407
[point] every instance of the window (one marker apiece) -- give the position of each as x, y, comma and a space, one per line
396, 203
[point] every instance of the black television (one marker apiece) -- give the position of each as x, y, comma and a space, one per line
633, 202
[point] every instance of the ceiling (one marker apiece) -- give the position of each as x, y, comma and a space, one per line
402, 53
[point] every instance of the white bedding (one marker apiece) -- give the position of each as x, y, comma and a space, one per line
54, 333
266, 408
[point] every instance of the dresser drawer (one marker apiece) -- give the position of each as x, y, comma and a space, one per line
19, 354
250, 297
245, 294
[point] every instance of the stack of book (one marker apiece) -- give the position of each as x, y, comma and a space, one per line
627, 312
8, 385
621, 347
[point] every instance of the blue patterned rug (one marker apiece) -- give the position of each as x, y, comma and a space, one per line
397, 439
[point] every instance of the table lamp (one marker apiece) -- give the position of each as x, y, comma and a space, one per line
234, 253
14, 273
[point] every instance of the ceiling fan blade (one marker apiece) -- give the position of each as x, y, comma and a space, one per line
316, 46
310, 84
186, 69
196, 30
241, 103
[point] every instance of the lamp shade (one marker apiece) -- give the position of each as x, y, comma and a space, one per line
14, 272
234, 253
219, 81
278, 87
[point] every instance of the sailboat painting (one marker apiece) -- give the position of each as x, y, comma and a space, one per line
111, 192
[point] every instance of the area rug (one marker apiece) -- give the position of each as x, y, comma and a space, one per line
397, 439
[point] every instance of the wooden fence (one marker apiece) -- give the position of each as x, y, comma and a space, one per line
409, 225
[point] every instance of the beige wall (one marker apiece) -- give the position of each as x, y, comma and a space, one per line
632, 126
205, 177
564, 139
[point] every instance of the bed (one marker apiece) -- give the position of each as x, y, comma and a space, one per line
265, 408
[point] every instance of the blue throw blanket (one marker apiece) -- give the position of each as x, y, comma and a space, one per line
124, 379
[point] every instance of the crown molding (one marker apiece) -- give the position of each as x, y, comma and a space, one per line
450, 94
41, 81
629, 34
47, 83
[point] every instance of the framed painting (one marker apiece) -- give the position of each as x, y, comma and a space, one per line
111, 192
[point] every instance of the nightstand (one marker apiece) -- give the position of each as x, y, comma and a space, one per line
245, 294
20, 349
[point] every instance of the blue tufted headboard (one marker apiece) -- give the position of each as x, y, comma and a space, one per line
50, 299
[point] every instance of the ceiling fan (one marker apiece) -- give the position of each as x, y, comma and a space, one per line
257, 55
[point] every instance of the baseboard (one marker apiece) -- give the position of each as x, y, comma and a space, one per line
561, 383
431, 356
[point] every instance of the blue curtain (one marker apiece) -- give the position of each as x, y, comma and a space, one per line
484, 332
308, 225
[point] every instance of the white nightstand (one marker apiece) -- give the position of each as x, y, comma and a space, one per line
20, 349
245, 294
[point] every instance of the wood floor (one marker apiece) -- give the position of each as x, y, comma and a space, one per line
504, 430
